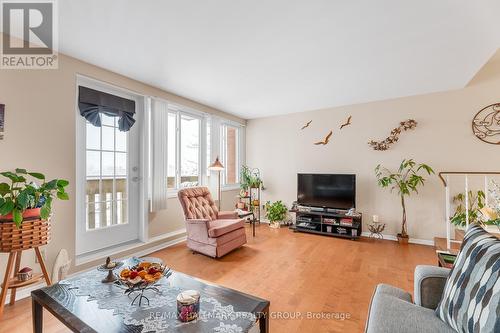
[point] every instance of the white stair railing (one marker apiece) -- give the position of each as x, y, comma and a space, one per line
445, 178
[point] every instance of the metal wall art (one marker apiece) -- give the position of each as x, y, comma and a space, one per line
307, 124
394, 136
326, 140
486, 124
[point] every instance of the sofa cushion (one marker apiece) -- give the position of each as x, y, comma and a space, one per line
471, 297
220, 227
391, 311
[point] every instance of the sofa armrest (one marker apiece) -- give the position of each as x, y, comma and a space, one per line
429, 284
197, 229
224, 215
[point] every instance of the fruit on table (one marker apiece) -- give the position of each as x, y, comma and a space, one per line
143, 272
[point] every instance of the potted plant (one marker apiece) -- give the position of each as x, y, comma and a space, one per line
275, 213
22, 199
250, 178
405, 181
476, 203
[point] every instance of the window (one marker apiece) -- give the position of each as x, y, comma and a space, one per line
230, 153
106, 185
184, 153
189, 151
194, 140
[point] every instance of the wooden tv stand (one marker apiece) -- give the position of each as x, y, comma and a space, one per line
319, 222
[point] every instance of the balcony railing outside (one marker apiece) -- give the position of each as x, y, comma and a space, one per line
104, 209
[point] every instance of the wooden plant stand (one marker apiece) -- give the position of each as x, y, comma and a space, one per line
13, 240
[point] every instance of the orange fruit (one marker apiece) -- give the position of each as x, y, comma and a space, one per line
145, 264
125, 273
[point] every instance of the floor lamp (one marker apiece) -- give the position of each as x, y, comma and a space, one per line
217, 166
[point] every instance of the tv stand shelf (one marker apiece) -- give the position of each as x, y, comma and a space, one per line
327, 223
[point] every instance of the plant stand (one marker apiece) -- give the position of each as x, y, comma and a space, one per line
13, 240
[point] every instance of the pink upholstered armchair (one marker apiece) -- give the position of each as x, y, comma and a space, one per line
209, 231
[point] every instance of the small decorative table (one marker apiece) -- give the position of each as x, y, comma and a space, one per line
14, 240
84, 304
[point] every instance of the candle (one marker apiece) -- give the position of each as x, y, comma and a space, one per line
375, 218
188, 305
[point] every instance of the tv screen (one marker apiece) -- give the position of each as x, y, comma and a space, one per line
324, 190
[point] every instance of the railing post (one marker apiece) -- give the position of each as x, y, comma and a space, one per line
466, 200
448, 226
486, 190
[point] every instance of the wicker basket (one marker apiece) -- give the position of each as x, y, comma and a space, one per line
31, 234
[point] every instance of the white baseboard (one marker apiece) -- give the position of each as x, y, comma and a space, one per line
26, 292
411, 240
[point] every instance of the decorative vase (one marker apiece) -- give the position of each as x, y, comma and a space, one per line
28, 214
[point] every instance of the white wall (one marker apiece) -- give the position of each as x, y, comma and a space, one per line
443, 139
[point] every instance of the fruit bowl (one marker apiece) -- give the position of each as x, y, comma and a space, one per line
142, 277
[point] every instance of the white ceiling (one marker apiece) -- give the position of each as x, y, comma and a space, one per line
266, 57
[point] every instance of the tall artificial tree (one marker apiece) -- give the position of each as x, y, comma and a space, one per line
405, 181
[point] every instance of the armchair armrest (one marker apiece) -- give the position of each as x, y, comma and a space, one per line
197, 229
429, 284
223, 215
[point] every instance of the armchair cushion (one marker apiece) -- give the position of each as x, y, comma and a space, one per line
220, 227
197, 203
391, 311
429, 284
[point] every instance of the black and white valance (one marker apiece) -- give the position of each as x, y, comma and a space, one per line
93, 102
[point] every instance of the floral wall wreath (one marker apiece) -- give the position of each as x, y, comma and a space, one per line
486, 124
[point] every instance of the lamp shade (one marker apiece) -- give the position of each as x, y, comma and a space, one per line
216, 166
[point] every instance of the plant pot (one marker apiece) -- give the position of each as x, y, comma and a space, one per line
274, 224
28, 214
403, 240
30, 234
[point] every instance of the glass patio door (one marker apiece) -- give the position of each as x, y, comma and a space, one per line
108, 213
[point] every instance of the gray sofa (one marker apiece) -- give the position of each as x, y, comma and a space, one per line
392, 309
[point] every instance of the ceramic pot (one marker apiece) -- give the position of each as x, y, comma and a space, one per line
274, 224
28, 214
403, 240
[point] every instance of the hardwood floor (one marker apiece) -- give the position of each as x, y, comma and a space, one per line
298, 273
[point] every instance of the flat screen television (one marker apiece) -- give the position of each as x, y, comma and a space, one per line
326, 190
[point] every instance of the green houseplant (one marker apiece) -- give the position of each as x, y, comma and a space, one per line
250, 178
275, 213
22, 197
476, 203
405, 181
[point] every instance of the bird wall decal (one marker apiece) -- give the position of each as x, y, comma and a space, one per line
327, 139
347, 123
307, 125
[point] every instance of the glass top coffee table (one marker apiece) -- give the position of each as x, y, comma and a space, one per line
84, 304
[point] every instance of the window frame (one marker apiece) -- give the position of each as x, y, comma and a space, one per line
180, 111
240, 145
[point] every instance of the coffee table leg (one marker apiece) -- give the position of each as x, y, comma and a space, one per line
37, 313
264, 321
